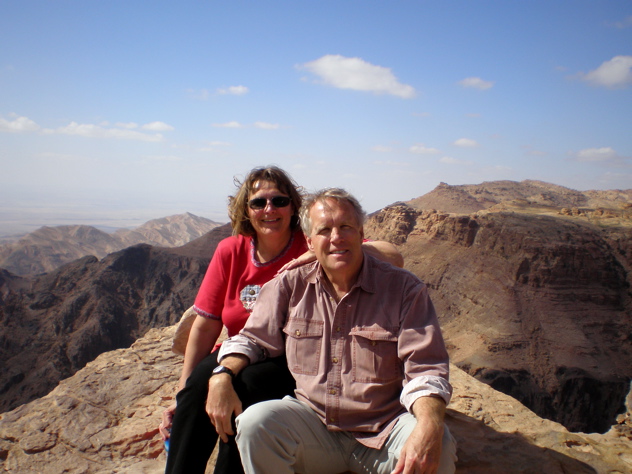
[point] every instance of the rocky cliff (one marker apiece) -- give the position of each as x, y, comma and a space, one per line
104, 420
52, 325
48, 248
533, 292
533, 295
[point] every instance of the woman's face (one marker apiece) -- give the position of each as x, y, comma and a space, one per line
270, 220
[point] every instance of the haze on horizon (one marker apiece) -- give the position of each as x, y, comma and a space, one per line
115, 113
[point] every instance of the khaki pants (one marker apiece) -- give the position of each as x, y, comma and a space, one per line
286, 437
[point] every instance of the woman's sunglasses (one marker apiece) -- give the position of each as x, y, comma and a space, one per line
257, 204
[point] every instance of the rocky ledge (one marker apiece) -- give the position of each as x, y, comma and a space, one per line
104, 420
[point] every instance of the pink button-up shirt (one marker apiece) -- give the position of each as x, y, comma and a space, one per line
351, 359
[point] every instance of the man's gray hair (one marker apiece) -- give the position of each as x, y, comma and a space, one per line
321, 196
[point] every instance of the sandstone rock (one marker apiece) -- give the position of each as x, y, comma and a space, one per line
104, 419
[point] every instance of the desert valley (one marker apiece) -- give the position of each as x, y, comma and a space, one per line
531, 282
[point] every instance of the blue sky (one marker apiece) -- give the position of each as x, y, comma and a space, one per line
116, 112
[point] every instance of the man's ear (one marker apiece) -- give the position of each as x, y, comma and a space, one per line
309, 242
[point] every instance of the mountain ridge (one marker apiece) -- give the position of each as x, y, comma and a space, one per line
47, 248
533, 299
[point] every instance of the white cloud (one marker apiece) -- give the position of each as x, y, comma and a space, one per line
476, 83
381, 148
96, 131
625, 23
20, 124
615, 73
233, 90
356, 74
129, 125
466, 143
453, 161
160, 159
157, 127
596, 155
530, 150
213, 146
267, 126
422, 149
232, 124
201, 94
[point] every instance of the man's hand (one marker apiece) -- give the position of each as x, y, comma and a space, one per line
422, 452
221, 404
165, 425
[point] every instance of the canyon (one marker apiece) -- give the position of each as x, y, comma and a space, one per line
531, 282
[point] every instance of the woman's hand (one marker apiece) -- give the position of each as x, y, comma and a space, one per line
307, 257
165, 425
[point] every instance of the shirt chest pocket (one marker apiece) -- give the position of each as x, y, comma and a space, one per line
374, 354
303, 345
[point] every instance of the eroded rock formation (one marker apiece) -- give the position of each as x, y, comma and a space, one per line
52, 325
534, 302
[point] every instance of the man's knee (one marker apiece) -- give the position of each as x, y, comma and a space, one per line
255, 419
448, 453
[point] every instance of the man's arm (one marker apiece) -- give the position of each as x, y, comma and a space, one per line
222, 401
422, 451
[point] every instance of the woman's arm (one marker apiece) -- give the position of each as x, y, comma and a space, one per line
384, 251
203, 336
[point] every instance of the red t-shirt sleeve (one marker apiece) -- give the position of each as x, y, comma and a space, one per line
211, 296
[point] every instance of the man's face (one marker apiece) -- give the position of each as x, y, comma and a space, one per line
336, 238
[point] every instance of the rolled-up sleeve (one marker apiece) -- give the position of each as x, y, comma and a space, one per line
240, 344
425, 386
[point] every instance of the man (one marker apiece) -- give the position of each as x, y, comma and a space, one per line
354, 330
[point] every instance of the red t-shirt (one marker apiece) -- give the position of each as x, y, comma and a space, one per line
234, 277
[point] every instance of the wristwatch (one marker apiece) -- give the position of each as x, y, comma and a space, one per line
220, 369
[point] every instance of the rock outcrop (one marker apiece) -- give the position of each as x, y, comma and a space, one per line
104, 420
532, 301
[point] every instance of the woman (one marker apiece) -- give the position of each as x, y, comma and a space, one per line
266, 239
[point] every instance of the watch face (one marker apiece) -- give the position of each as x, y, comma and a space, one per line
220, 369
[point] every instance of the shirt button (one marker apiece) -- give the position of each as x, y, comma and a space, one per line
332, 392
335, 360
298, 333
373, 343
338, 329
332, 419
